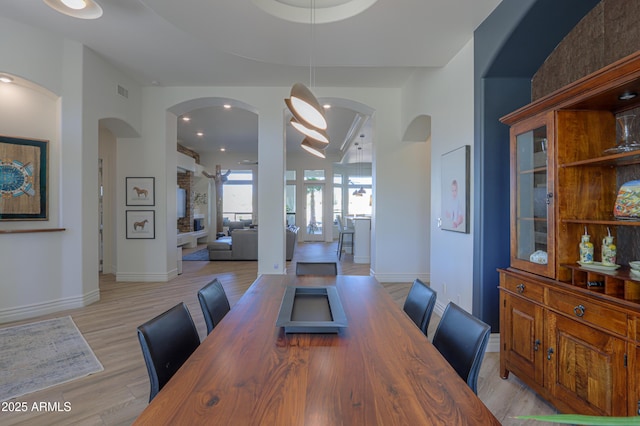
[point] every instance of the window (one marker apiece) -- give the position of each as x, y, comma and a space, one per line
360, 189
290, 197
317, 175
337, 197
237, 196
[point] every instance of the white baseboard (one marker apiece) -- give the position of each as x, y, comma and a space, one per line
144, 277
494, 343
48, 307
399, 277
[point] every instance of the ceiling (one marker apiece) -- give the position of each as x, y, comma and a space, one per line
352, 43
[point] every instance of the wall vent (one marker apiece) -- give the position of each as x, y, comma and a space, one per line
123, 92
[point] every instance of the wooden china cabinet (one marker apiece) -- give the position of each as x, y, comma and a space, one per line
572, 333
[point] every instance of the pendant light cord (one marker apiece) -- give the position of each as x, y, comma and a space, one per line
312, 30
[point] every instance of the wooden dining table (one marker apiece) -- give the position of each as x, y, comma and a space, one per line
379, 370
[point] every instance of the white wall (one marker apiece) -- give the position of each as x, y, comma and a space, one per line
446, 95
31, 262
61, 269
107, 145
395, 218
48, 272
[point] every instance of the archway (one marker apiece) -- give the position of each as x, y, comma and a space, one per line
109, 130
212, 133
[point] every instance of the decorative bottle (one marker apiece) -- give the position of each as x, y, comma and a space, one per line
586, 249
608, 250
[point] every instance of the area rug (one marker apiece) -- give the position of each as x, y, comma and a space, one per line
42, 354
202, 254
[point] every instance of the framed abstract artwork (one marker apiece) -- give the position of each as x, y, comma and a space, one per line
455, 190
141, 224
141, 191
23, 179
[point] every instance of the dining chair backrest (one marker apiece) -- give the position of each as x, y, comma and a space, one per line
462, 339
214, 303
419, 304
316, 268
167, 341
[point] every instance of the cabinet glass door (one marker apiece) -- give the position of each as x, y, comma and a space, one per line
532, 247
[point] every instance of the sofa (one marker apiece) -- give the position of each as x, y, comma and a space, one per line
243, 245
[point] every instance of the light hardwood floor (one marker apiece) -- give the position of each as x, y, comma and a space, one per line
118, 394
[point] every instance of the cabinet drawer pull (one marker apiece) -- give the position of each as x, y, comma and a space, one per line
520, 288
536, 345
549, 352
579, 311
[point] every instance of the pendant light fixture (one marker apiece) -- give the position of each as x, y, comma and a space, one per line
82, 9
315, 134
361, 191
308, 115
358, 192
359, 166
313, 147
305, 107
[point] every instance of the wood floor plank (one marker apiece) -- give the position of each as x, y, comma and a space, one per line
118, 394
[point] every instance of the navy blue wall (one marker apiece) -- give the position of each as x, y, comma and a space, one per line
509, 47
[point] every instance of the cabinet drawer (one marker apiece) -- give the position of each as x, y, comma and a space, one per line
527, 289
589, 311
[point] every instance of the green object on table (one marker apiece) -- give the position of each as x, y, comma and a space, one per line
579, 419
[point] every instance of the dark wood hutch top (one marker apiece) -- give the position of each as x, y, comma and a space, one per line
600, 90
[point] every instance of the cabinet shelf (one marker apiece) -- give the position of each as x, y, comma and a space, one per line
619, 283
534, 170
608, 222
530, 218
613, 160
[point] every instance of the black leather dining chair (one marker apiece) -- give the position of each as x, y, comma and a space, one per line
462, 339
419, 304
316, 268
214, 303
167, 341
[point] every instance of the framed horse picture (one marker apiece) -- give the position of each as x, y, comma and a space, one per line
141, 224
141, 191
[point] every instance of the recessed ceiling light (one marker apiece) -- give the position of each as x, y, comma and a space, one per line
223, 149
227, 106
326, 106
82, 9
185, 118
6, 79
200, 134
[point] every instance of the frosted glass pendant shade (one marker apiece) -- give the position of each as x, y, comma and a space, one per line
305, 107
317, 135
82, 9
74, 4
314, 148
